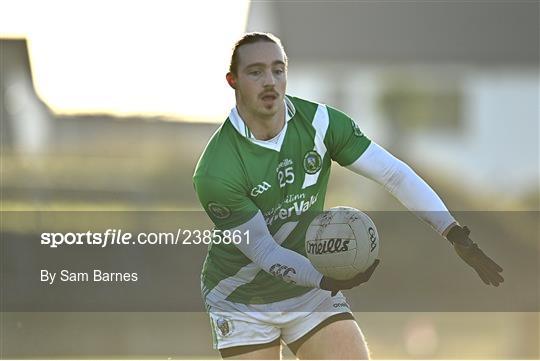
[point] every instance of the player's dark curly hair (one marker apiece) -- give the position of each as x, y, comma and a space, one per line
250, 38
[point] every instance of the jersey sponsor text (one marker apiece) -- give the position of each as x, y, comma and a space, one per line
297, 208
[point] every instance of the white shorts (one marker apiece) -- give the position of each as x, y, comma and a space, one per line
238, 324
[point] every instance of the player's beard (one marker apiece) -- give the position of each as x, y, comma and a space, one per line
251, 105
270, 102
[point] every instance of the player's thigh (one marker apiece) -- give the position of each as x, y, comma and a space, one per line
260, 352
340, 340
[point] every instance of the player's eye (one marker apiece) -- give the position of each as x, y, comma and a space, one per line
279, 71
255, 72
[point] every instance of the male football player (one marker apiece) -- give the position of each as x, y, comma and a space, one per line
263, 171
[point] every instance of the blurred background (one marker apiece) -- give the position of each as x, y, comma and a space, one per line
106, 106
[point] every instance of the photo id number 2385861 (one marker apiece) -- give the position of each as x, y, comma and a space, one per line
215, 236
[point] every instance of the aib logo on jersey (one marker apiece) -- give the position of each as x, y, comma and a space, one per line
312, 162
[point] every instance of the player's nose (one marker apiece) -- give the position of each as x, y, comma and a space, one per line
269, 78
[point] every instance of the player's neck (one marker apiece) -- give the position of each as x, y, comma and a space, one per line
263, 128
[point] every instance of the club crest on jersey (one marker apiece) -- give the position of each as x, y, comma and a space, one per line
312, 162
219, 211
356, 129
224, 326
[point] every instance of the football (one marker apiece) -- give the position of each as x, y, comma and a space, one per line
342, 242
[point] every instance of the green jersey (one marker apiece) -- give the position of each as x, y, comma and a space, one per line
284, 178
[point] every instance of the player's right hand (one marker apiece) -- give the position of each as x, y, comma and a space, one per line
335, 286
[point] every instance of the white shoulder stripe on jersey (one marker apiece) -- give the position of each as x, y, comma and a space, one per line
320, 123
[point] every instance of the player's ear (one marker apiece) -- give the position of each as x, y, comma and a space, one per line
231, 80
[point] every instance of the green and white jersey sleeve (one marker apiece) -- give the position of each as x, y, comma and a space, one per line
345, 141
224, 201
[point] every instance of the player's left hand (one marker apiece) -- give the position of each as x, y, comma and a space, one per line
485, 267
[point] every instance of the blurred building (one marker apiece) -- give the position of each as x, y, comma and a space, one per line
47, 157
25, 120
453, 86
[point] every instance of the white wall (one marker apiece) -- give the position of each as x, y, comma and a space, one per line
496, 153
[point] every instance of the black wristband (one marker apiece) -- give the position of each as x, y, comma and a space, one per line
459, 235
